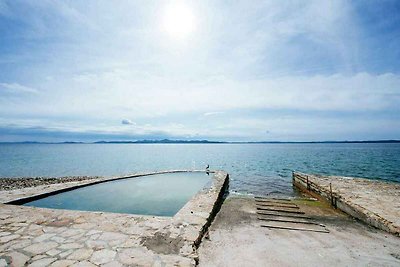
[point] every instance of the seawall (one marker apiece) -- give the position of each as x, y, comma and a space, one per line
373, 202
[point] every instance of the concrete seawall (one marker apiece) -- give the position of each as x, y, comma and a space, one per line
373, 202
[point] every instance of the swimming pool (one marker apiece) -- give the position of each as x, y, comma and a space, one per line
159, 194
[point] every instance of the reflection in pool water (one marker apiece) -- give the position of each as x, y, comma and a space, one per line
160, 195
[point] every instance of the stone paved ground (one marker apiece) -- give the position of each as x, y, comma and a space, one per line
48, 237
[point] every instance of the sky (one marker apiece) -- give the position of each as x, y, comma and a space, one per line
219, 70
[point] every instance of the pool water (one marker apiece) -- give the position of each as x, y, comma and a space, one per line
160, 195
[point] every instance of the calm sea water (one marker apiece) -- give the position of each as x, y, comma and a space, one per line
254, 168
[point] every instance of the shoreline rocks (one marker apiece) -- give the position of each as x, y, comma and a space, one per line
23, 182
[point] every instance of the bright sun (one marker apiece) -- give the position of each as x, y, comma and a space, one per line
178, 20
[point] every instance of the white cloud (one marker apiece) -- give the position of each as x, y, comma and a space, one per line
127, 122
213, 113
4, 11
113, 95
157, 96
17, 88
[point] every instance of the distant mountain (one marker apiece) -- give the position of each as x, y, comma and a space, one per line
169, 141
163, 141
324, 142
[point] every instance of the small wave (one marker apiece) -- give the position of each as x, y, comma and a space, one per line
241, 194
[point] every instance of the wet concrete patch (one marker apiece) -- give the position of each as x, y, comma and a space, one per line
163, 243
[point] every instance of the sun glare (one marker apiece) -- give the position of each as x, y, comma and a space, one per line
178, 20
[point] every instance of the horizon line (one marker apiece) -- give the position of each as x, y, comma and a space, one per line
202, 141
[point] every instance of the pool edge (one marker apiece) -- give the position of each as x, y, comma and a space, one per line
53, 189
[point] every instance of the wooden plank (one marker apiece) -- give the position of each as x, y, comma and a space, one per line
273, 198
290, 221
275, 202
283, 215
295, 228
282, 210
279, 206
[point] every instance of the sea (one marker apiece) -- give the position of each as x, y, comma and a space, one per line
255, 169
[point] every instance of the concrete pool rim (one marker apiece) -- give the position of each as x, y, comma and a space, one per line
24, 200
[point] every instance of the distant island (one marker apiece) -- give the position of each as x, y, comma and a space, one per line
173, 141
163, 141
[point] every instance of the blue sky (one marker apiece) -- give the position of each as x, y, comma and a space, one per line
229, 70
